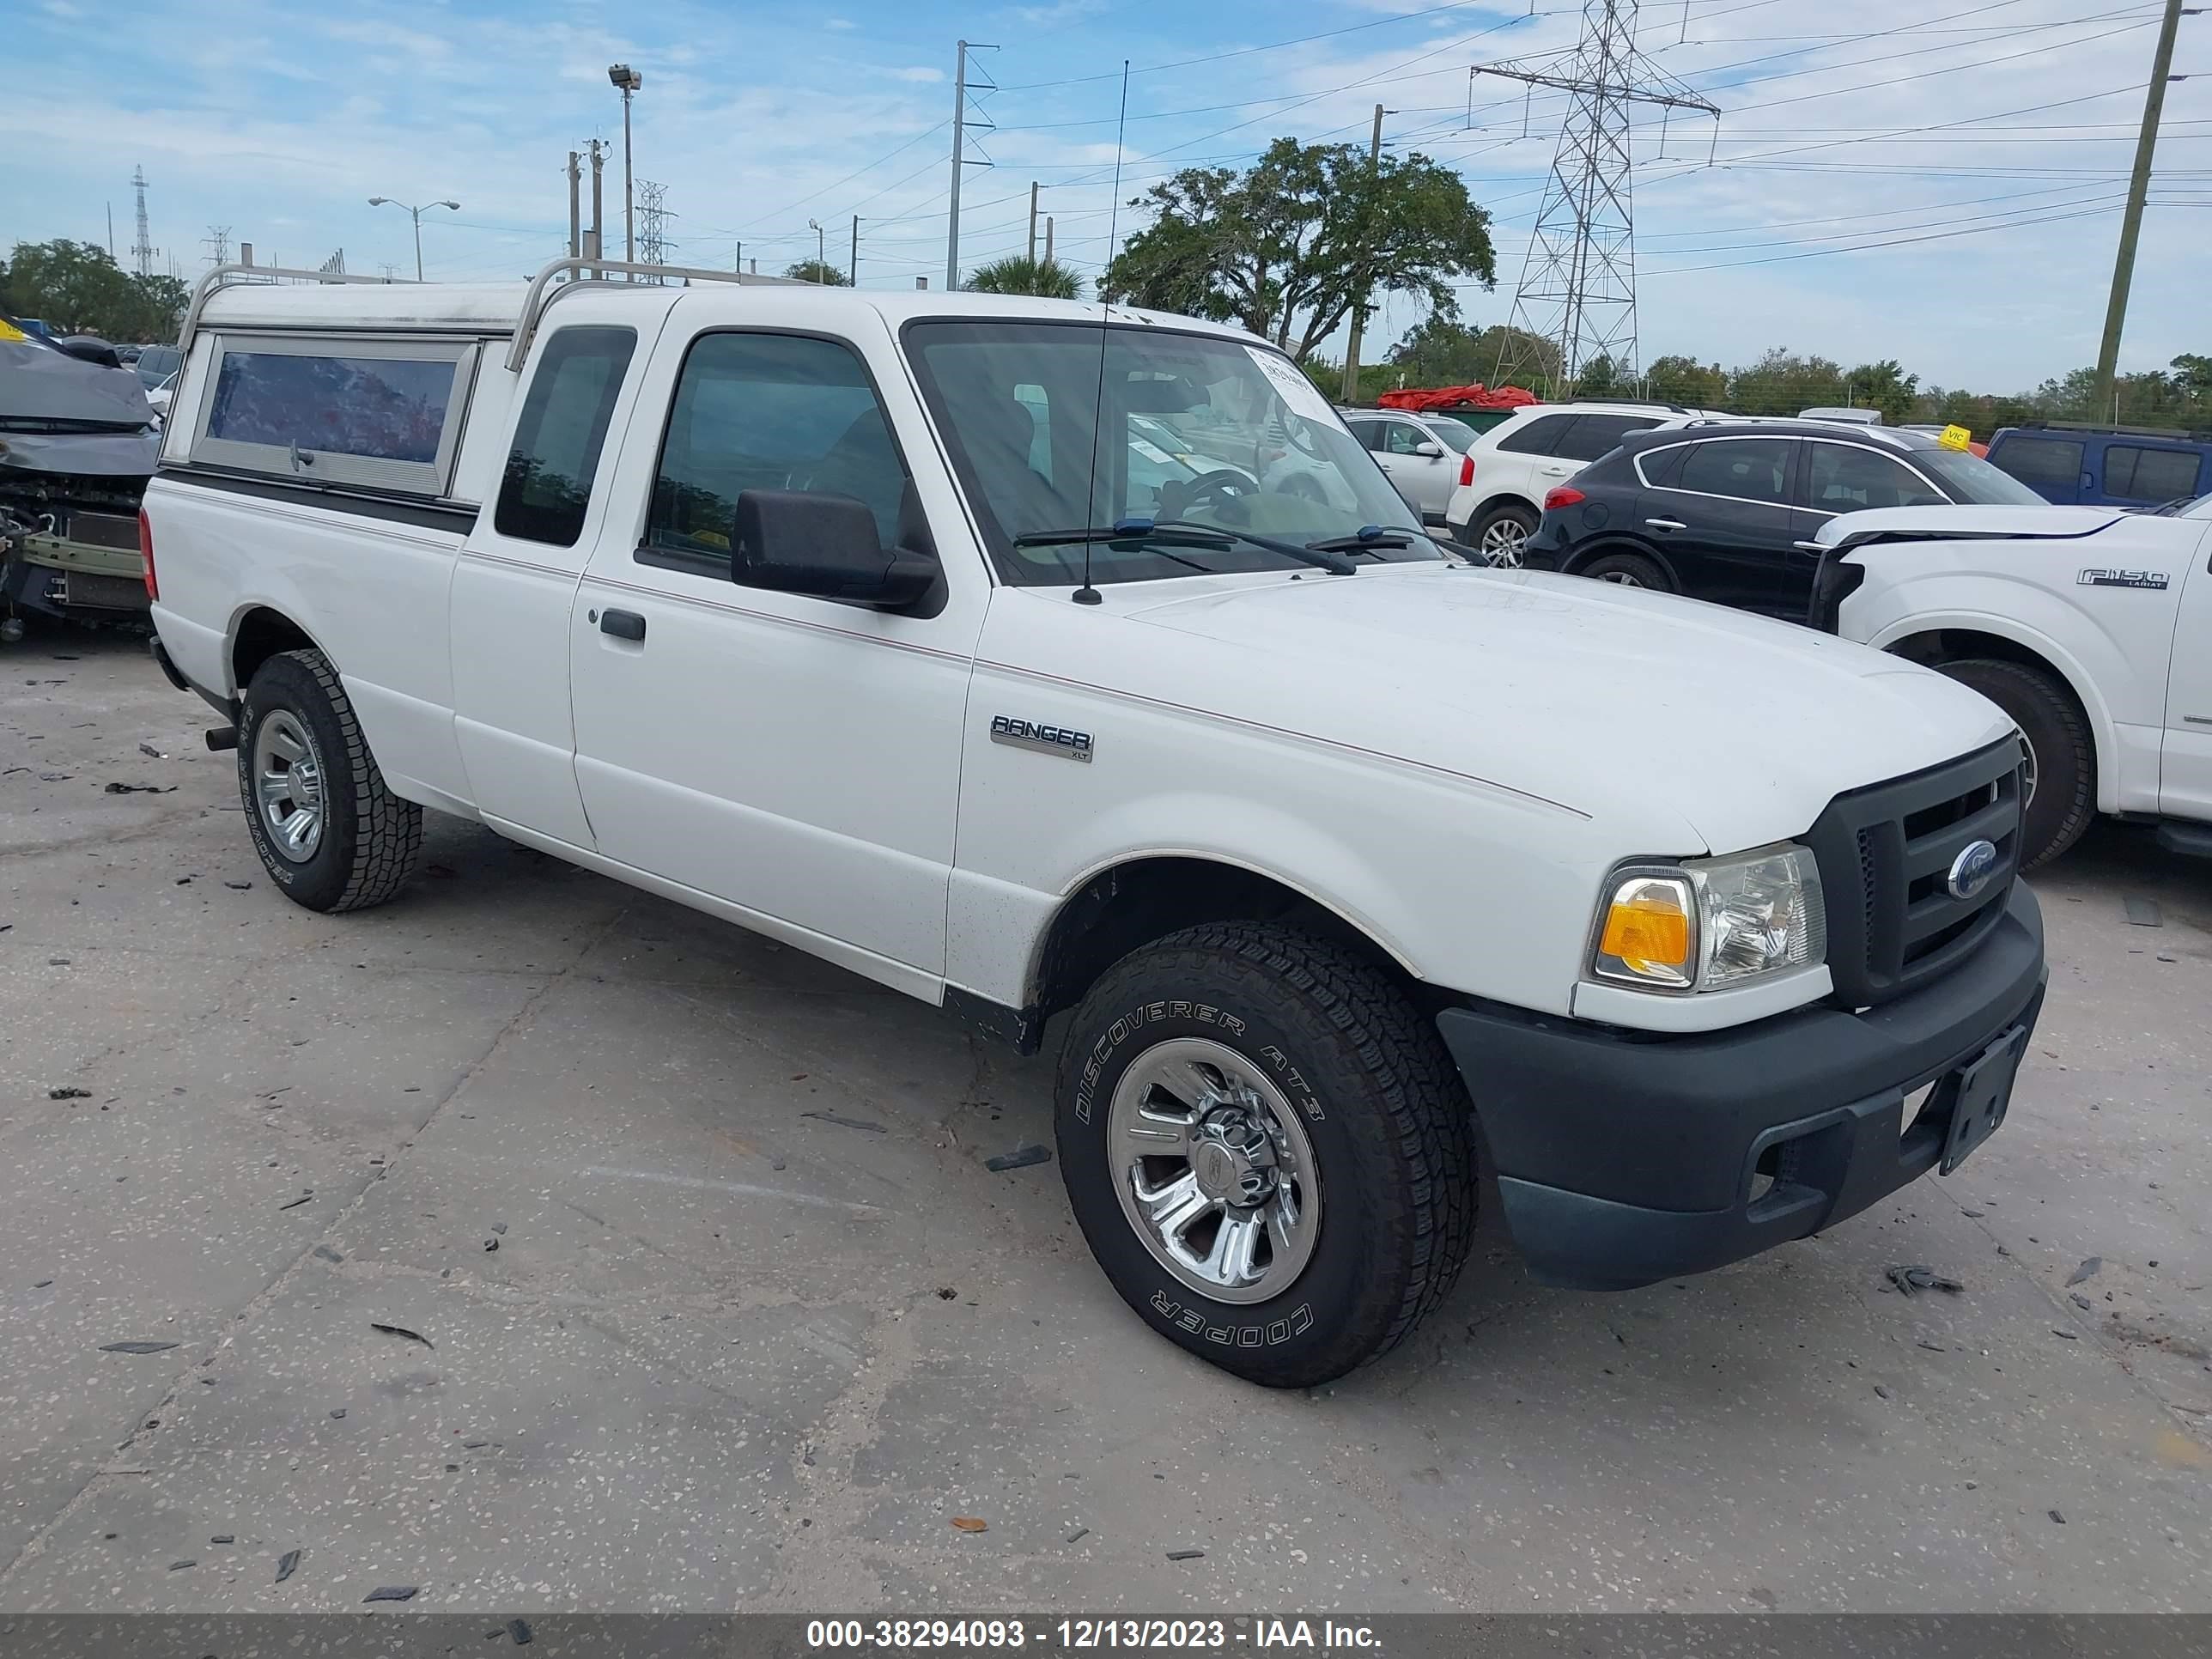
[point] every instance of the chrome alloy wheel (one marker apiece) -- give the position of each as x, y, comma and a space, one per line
289, 785
1622, 578
1502, 542
1215, 1170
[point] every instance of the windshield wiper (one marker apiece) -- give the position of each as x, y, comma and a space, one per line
1181, 532
1366, 539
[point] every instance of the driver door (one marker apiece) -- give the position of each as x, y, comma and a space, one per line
795, 757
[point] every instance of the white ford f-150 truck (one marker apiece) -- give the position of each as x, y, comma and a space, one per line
1332, 863
2090, 626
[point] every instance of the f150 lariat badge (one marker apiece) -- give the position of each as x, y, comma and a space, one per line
2121, 579
1045, 739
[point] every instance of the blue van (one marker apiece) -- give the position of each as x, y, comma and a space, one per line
2106, 466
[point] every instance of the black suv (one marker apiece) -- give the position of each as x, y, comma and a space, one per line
1726, 511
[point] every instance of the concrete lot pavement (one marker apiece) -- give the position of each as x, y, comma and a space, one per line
718, 1308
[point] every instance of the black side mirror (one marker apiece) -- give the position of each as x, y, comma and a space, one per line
794, 541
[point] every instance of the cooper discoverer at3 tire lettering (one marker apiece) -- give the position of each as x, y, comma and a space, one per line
1267, 1148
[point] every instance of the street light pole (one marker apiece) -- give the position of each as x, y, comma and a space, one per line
415, 213
627, 81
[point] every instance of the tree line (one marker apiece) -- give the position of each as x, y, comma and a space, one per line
1442, 351
76, 287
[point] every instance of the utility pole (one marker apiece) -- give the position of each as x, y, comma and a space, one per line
853, 273
575, 207
821, 253
111, 230
1048, 240
595, 248
1359, 303
1033, 196
2124, 266
960, 124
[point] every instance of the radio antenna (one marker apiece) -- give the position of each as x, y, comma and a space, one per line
1087, 594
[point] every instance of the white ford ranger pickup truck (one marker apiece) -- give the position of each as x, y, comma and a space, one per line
1334, 866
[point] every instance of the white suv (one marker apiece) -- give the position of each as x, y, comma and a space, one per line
1504, 474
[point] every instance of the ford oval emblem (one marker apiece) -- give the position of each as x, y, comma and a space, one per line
1971, 870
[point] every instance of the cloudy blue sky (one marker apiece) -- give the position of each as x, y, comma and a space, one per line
1938, 181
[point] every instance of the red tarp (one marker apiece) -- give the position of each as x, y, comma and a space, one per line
1457, 397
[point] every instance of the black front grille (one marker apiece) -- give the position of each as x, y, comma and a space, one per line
1885, 853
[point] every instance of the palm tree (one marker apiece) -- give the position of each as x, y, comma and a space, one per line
818, 270
1048, 279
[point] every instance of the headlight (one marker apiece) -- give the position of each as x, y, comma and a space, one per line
1711, 923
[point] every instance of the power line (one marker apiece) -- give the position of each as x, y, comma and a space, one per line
1278, 45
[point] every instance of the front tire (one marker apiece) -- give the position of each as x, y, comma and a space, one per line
1269, 1150
2062, 759
330, 835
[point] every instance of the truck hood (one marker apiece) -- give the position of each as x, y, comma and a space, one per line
1956, 523
1661, 714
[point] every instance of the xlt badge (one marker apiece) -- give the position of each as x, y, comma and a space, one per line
1046, 739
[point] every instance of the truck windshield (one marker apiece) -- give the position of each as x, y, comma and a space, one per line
1197, 429
1972, 481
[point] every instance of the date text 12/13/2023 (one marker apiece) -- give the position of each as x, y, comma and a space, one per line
1085, 1635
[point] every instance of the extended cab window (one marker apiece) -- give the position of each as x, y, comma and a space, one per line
374, 414
769, 411
563, 427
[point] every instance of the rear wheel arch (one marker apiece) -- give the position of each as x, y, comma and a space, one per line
261, 632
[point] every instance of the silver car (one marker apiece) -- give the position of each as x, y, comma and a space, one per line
1421, 454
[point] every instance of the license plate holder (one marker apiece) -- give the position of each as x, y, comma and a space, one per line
1982, 1094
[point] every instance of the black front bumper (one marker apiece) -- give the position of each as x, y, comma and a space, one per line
1623, 1158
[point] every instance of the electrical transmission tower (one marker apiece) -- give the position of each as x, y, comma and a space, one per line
652, 217
218, 245
141, 251
1577, 295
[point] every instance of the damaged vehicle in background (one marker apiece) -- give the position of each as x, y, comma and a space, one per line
77, 445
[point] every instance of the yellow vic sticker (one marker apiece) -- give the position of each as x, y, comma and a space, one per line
10, 333
1955, 437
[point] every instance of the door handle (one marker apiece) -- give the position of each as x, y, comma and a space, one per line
1665, 524
623, 625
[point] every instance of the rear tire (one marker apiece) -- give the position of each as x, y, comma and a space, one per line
1628, 570
1500, 534
2061, 758
1360, 1217
330, 835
